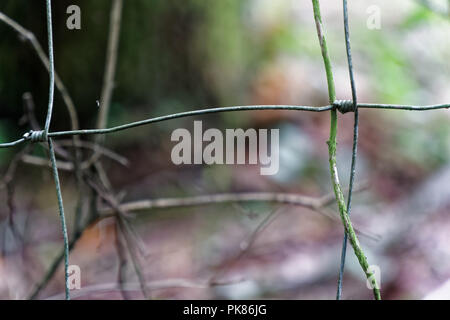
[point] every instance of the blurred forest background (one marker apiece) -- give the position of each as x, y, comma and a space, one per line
183, 55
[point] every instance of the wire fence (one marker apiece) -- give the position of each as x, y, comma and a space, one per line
92, 174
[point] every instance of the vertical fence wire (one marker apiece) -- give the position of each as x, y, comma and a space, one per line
51, 67
44, 136
354, 148
61, 217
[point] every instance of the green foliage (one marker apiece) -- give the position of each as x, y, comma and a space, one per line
419, 16
391, 69
425, 145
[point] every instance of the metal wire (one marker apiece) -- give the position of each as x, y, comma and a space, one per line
51, 67
354, 148
342, 107
42, 136
61, 217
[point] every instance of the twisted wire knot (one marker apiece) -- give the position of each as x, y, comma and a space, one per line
344, 106
36, 136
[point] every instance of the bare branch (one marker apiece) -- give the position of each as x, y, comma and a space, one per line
284, 198
111, 62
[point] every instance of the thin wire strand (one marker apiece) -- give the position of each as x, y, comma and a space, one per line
12, 144
188, 114
51, 67
354, 149
236, 108
62, 218
403, 106
227, 109
52, 150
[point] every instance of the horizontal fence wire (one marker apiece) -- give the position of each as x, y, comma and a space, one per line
340, 105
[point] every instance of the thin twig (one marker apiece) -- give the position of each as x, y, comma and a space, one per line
110, 70
134, 258
94, 146
28, 104
315, 204
69, 166
120, 216
111, 63
43, 162
292, 199
121, 270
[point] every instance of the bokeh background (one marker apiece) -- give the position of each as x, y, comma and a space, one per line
183, 55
